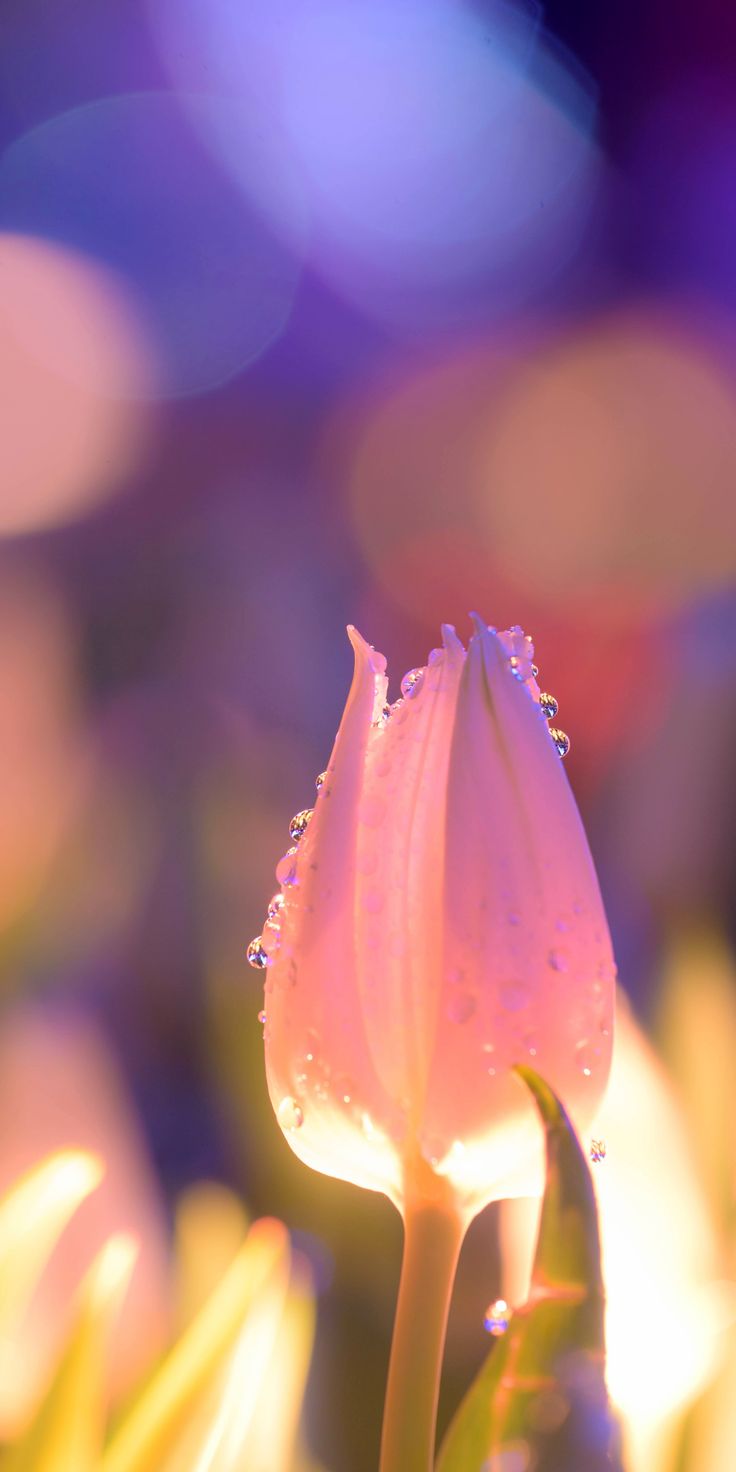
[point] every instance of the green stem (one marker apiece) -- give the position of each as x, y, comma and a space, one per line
433, 1236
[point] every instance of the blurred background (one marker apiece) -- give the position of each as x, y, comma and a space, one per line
373, 312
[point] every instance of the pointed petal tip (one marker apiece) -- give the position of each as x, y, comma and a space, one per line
450, 641
361, 647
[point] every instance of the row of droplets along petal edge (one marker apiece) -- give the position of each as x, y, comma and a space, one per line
261, 951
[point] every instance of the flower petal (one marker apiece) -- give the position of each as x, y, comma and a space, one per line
528, 968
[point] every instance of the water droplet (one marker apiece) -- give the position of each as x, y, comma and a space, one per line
535, 670
548, 706
561, 740
344, 1088
271, 939
310, 1049
256, 955
262, 1018
275, 906
461, 1008
597, 1151
497, 1318
587, 1057
412, 683
290, 1115
558, 961
514, 997
299, 824
516, 668
319, 781
531, 1044
286, 867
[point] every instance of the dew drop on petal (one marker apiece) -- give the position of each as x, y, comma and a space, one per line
256, 955
497, 1318
286, 867
271, 939
412, 683
561, 740
344, 1088
310, 1049
586, 1058
531, 1044
535, 670
558, 961
319, 781
299, 824
597, 1151
262, 1018
514, 997
275, 906
548, 705
290, 1115
461, 1007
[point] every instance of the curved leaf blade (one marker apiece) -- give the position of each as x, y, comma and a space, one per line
541, 1391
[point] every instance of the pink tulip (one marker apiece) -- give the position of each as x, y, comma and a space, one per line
440, 921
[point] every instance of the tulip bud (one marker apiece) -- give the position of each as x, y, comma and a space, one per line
441, 921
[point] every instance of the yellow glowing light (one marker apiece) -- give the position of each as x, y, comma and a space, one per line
66, 1433
147, 1440
666, 1309
211, 1224
33, 1215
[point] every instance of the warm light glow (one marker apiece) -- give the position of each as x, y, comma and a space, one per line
610, 461
60, 1083
33, 1215
73, 361
211, 1224
666, 1307
162, 1416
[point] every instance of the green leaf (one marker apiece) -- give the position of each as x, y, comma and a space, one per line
539, 1399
